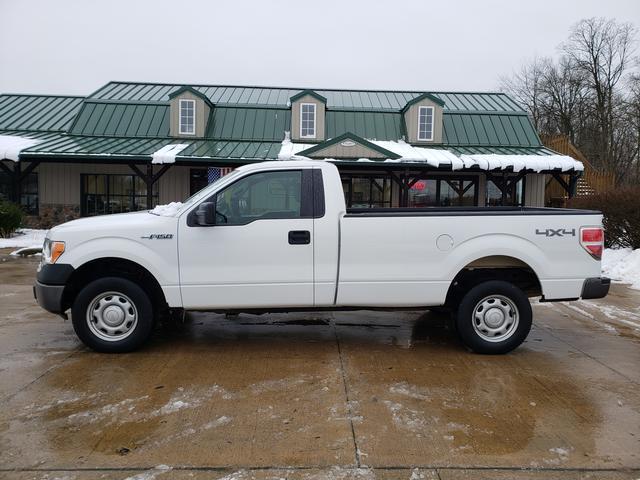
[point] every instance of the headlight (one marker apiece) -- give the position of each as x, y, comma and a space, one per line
51, 250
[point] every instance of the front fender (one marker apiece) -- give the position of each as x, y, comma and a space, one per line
159, 258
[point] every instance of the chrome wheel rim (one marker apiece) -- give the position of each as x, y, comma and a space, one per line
495, 318
112, 316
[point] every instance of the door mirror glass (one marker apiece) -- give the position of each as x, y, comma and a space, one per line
206, 214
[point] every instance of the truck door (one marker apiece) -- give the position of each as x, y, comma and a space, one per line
259, 253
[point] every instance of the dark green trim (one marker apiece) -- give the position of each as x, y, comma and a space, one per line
315, 95
187, 88
419, 98
352, 137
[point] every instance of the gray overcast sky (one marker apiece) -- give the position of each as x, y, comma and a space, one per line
74, 46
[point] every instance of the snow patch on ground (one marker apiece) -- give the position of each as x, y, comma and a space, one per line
223, 420
24, 238
622, 265
183, 399
151, 474
407, 390
168, 210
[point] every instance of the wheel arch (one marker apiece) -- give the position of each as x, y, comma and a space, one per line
113, 267
494, 267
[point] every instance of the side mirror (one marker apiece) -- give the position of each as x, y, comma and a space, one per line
206, 214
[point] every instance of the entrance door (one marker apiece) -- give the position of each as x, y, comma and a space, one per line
259, 253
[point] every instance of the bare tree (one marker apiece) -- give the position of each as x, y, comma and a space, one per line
602, 49
525, 86
564, 96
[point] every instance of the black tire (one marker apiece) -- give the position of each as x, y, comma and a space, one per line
514, 336
137, 301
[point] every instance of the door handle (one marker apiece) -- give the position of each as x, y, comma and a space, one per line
299, 237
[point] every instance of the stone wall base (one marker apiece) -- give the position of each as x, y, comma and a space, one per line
52, 214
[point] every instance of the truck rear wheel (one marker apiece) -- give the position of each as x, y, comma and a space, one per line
112, 315
494, 317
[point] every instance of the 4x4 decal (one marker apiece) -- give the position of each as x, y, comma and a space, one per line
556, 232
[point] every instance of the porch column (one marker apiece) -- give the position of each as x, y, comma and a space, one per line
149, 178
17, 176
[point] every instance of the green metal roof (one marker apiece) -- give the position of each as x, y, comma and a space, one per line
372, 125
64, 146
261, 124
336, 99
482, 129
123, 120
41, 113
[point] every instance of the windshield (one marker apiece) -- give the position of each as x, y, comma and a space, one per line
206, 191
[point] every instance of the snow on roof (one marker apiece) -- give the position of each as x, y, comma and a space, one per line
437, 157
11, 145
536, 163
431, 156
167, 154
290, 149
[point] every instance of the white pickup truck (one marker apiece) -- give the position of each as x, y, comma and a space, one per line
276, 236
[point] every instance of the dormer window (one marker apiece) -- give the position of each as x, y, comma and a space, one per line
187, 122
307, 120
425, 123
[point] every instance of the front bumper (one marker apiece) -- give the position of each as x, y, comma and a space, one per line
49, 297
596, 287
50, 285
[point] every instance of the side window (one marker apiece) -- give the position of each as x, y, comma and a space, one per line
267, 195
308, 120
425, 123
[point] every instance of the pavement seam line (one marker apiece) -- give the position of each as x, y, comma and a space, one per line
347, 399
389, 468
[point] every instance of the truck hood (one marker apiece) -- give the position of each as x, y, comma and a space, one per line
116, 225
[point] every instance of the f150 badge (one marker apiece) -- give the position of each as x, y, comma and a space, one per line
159, 236
556, 232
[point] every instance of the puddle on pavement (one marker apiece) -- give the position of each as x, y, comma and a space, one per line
269, 390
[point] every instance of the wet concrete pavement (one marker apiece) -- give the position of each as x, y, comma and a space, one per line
314, 396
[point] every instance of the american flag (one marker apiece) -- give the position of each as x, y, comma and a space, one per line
214, 173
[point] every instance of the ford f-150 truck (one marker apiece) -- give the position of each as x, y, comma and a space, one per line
276, 236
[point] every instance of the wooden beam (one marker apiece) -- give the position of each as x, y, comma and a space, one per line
6, 169
32, 166
161, 172
562, 183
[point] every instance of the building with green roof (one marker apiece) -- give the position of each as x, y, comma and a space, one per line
128, 146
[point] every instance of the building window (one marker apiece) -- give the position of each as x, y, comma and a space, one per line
368, 191
201, 177
513, 196
443, 192
187, 122
102, 194
425, 123
28, 191
307, 120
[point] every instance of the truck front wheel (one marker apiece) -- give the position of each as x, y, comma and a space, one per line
494, 317
112, 315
